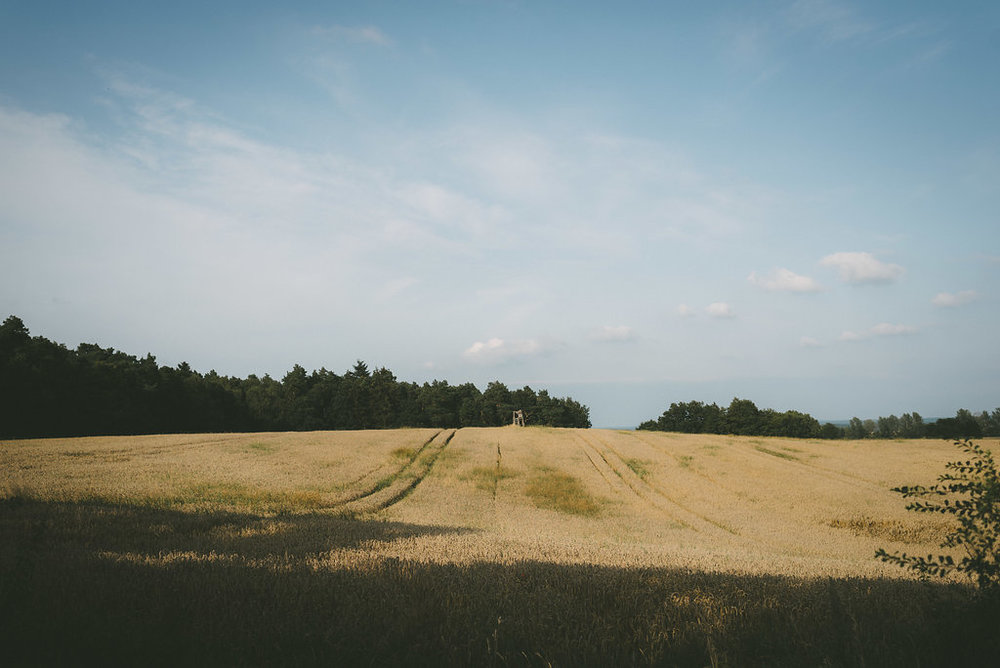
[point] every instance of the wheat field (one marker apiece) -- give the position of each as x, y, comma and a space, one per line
497, 545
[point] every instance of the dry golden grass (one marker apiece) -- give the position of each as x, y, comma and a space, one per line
734, 504
476, 546
257, 472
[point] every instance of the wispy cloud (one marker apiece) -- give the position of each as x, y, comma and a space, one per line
879, 330
809, 342
861, 268
833, 21
784, 280
514, 164
888, 329
840, 24
396, 287
931, 54
184, 215
614, 334
562, 184
498, 351
951, 300
720, 310
355, 34
446, 211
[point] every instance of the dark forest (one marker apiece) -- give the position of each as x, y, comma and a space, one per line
47, 389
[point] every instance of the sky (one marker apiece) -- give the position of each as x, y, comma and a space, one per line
636, 203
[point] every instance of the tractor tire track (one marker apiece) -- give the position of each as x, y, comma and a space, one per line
696, 520
384, 481
778, 541
407, 479
736, 496
820, 471
653, 496
680, 462
614, 482
183, 446
756, 453
496, 474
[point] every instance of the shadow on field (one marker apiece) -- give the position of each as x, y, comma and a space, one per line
61, 603
142, 530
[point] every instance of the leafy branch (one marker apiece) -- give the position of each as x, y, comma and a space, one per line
970, 491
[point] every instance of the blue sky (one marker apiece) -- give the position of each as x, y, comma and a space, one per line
629, 203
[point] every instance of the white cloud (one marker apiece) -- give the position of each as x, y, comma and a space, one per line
949, 300
887, 329
614, 334
720, 310
497, 350
184, 216
809, 342
881, 329
862, 268
784, 280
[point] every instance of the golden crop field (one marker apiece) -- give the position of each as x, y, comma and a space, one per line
503, 545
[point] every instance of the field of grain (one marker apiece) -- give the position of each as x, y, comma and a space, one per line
472, 546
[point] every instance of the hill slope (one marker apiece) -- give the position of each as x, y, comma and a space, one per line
526, 546
563, 495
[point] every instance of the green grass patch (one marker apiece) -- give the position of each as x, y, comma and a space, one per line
199, 497
638, 467
555, 490
384, 482
775, 453
893, 529
242, 497
449, 458
685, 461
404, 453
486, 478
260, 446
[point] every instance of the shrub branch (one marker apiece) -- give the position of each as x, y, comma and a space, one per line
970, 491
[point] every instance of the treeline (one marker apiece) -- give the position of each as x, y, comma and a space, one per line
742, 417
965, 424
47, 389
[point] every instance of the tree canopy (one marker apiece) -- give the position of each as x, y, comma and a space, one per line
741, 417
47, 389
744, 418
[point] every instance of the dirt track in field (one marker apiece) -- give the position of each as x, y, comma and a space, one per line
710, 502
